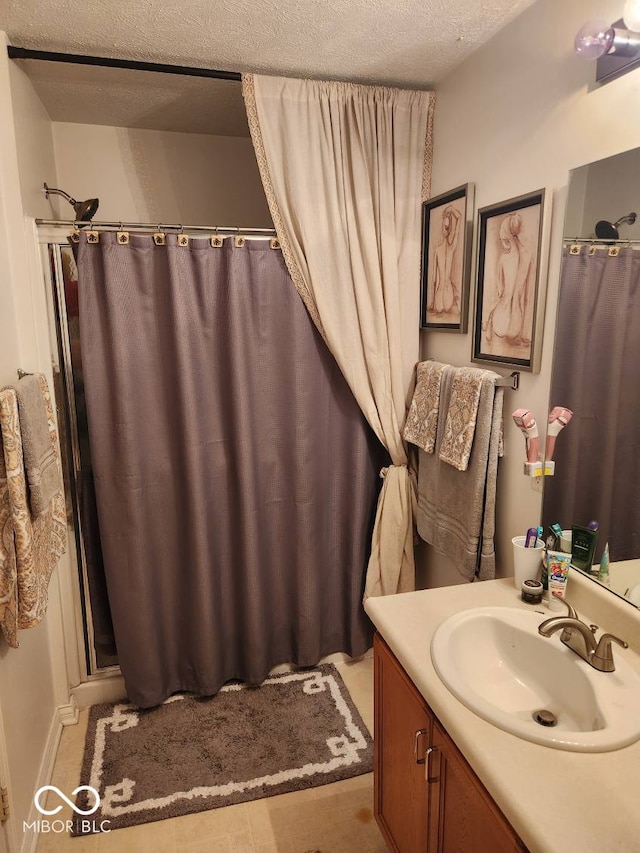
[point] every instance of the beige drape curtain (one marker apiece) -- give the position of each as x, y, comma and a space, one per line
344, 167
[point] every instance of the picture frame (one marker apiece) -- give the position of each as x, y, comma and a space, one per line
447, 236
512, 249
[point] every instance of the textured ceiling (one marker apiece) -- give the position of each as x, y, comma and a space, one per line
404, 42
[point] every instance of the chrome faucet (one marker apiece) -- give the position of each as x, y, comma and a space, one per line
581, 638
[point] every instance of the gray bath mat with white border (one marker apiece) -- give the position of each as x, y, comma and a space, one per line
296, 730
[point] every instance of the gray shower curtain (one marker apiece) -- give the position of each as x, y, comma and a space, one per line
595, 374
236, 478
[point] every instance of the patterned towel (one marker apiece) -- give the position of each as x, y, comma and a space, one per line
38, 542
456, 509
40, 454
460, 425
8, 569
422, 420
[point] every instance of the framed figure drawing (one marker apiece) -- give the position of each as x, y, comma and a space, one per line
509, 311
447, 229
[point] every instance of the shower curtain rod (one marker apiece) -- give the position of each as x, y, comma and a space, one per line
152, 226
600, 241
111, 62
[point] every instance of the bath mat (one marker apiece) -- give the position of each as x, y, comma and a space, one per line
296, 730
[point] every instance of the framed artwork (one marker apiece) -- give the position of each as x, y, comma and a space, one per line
509, 305
447, 230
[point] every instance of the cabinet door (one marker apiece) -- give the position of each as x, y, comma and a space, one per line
463, 815
402, 736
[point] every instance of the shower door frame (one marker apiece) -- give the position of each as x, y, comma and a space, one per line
51, 240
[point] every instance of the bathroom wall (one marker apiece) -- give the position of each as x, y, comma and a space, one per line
516, 116
34, 144
32, 677
612, 191
159, 176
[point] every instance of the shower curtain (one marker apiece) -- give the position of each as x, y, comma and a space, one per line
595, 375
345, 164
236, 478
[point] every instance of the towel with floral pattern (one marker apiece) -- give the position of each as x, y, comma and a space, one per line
36, 543
422, 419
460, 424
8, 571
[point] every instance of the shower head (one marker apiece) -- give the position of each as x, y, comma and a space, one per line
609, 230
84, 210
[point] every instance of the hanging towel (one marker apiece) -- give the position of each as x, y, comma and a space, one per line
456, 509
38, 541
422, 419
8, 572
40, 454
462, 411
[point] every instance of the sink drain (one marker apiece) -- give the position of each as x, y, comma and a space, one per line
545, 718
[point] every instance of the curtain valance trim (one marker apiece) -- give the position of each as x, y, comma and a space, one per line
428, 150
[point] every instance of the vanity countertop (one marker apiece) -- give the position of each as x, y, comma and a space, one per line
557, 801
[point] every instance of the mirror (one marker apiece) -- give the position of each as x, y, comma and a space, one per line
596, 365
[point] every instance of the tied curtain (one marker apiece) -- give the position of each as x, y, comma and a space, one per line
596, 376
344, 169
235, 475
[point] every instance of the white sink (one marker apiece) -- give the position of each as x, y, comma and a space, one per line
495, 662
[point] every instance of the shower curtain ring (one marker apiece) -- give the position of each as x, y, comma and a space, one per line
123, 236
216, 241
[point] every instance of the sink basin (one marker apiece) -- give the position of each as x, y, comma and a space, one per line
495, 662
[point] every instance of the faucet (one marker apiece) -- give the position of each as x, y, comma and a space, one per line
581, 638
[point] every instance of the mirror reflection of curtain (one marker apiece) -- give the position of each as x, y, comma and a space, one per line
236, 478
596, 374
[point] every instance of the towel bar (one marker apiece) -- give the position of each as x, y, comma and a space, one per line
22, 373
512, 381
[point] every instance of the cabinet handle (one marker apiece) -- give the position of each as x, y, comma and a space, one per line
416, 739
427, 770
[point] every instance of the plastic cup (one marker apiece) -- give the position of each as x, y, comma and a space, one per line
565, 541
527, 562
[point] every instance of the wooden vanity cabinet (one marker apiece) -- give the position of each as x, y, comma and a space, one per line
427, 797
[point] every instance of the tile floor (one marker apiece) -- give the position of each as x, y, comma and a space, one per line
335, 818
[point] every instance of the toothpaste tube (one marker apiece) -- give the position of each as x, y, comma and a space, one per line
558, 564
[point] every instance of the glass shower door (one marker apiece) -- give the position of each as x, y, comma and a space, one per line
101, 654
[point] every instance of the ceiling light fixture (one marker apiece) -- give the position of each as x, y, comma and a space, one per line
616, 47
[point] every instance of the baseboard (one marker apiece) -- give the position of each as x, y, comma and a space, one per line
100, 690
68, 714
30, 839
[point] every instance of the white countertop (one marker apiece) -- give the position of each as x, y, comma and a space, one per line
557, 801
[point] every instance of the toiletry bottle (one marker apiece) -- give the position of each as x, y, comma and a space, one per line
603, 574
